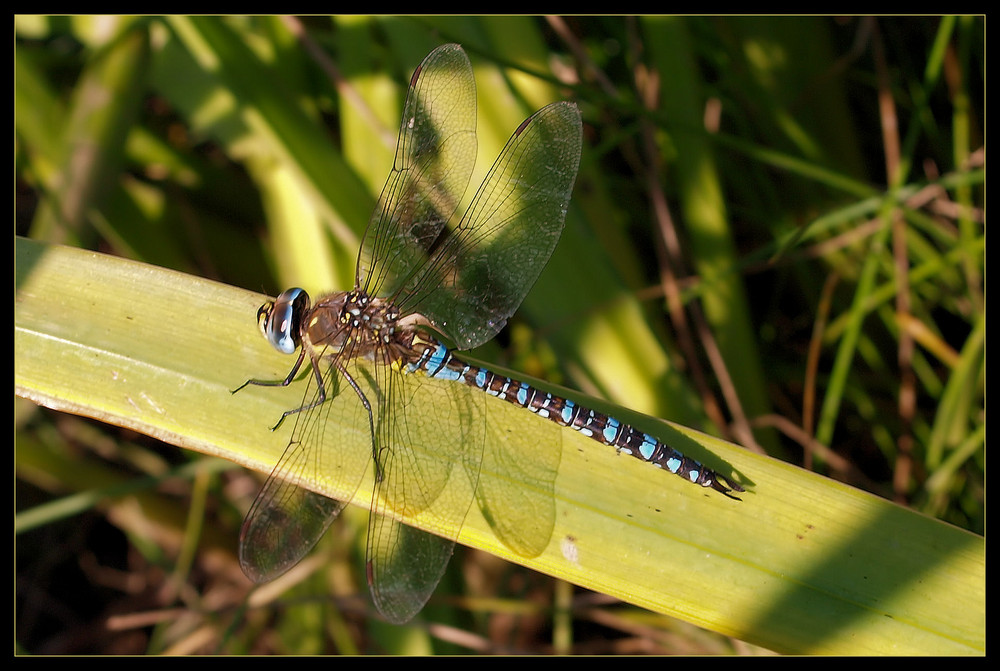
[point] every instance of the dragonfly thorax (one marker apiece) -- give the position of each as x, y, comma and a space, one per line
354, 324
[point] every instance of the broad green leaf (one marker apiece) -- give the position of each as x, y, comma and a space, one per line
802, 564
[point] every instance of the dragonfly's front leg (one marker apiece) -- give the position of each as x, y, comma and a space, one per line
320, 396
276, 383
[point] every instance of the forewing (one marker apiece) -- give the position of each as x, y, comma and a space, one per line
283, 525
286, 519
435, 155
482, 270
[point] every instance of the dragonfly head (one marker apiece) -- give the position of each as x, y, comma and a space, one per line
279, 319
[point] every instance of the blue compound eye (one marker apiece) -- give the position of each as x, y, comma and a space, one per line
279, 321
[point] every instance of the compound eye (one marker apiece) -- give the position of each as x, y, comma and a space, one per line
280, 320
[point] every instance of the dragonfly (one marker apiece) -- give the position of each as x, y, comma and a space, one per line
425, 290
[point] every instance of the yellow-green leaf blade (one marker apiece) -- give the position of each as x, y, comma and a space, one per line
802, 564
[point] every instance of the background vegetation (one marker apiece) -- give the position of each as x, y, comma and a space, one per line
777, 238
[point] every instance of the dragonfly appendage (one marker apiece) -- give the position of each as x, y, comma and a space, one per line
437, 361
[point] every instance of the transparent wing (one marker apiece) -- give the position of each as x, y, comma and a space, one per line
480, 272
429, 462
284, 524
516, 484
435, 155
286, 519
431, 457
404, 566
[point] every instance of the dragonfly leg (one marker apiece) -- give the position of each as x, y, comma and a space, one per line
371, 417
276, 383
320, 397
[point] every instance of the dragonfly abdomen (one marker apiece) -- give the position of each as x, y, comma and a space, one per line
437, 361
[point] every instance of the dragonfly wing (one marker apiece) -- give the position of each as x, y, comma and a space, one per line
516, 491
283, 525
404, 566
429, 451
435, 155
482, 270
287, 519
